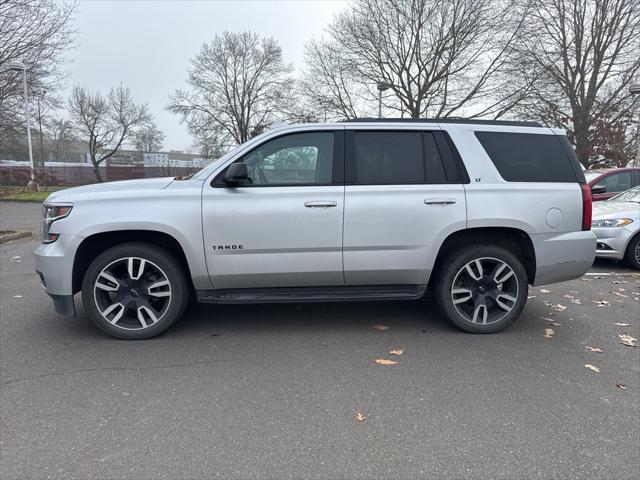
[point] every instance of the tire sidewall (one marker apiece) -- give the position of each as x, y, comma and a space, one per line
631, 252
163, 259
454, 262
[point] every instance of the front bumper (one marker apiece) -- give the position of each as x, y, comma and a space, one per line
612, 242
54, 266
565, 256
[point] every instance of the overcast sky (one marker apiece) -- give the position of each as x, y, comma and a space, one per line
147, 44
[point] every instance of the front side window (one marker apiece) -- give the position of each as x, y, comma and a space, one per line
618, 182
296, 159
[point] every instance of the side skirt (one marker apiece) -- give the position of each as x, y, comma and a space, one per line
313, 294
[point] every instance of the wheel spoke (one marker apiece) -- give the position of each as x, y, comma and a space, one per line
151, 315
472, 274
118, 315
108, 282
136, 273
501, 279
159, 285
461, 291
481, 307
500, 301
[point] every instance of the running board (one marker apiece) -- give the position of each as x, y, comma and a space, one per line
313, 294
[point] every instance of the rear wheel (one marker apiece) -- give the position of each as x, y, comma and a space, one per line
134, 291
481, 289
632, 254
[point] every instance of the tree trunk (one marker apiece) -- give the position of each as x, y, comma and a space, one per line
96, 168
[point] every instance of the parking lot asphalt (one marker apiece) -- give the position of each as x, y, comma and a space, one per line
272, 391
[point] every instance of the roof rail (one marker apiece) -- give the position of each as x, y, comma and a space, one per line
474, 121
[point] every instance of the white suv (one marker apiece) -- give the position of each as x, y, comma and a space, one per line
473, 211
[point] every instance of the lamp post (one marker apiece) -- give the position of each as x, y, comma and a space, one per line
381, 86
16, 67
634, 90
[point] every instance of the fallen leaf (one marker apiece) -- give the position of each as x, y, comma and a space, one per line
17, 296
622, 289
621, 294
555, 324
601, 303
621, 386
617, 324
544, 290
384, 361
360, 417
569, 296
628, 340
396, 351
558, 307
585, 279
531, 297
592, 367
616, 282
573, 291
576, 301
594, 349
548, 332
382, 328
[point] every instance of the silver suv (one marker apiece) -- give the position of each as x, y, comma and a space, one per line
471, 211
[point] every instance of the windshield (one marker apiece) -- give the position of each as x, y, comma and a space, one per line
590, 176
631, 195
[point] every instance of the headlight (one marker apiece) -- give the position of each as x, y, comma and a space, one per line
611, 222
50, 214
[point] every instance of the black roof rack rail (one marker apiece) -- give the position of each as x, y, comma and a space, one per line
474, 121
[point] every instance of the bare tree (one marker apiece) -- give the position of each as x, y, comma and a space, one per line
238, 83
105, 123
37, 33
440, 57
60, 132
585, 53
149, 138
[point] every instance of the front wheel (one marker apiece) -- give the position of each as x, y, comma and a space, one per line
481, 288
134, 291
632, 254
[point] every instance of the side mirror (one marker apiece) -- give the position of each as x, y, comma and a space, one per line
598, 189
236, 174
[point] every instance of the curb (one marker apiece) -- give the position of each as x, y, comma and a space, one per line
13, 235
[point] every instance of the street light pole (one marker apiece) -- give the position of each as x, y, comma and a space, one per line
19, 66
381, 86
634, 90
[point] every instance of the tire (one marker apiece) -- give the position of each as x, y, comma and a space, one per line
469, 296
135, 291
632, 253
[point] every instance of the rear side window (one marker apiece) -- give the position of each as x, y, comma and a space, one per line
394, 158
527, 157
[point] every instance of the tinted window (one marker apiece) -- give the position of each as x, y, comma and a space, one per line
394, 158
301, 158
526, 157
618, 182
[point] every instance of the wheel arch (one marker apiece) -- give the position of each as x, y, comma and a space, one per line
515, 240
97, 243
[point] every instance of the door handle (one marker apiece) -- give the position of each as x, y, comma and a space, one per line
439, 202
320, 204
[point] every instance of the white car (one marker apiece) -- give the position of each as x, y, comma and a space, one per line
616, 223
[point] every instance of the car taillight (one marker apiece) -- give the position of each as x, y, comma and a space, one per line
587, 207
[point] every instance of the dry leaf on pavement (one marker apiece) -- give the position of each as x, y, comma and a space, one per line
396, 351
601, 303
548, 333
384, 361
621, 295
628, 340
592, 367
569, 296
559, 308
530, 297
618, 324
594, 349
576, 301
382, 328
544, 290
360, 417
621, 386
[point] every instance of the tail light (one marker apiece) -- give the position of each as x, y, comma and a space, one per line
587, 206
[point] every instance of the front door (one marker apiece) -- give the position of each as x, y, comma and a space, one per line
403, 197
283, 228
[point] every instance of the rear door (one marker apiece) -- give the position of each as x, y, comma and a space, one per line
403, 196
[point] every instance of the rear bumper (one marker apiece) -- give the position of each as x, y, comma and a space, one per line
561, 257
